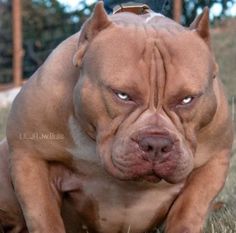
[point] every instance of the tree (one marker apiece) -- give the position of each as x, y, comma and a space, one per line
5, 42
45, 24
191, 7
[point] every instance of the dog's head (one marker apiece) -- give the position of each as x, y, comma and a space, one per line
145, 91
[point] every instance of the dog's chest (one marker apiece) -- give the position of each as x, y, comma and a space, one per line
105, 207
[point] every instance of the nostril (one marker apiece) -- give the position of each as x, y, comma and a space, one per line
166, 149
146, 147
150, 148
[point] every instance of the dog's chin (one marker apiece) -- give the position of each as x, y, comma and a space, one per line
154, 178
175, 180
128, 175
145, 171
151, 178
148, 177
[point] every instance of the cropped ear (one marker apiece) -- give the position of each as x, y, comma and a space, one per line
201, 25
97, 22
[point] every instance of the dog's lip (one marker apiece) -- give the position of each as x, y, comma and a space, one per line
152, 178
150, 175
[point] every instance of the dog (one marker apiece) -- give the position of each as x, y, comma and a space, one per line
125, 126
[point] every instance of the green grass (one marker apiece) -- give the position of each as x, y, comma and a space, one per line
3, 120
224, 46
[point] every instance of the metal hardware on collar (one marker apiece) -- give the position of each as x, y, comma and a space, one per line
138, 9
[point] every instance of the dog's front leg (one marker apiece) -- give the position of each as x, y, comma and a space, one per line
38, 197
188, 213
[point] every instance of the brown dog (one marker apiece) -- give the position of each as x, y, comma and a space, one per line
136, 132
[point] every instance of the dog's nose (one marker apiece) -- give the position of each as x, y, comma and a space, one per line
155, 145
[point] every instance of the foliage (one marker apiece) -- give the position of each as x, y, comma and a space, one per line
5, 42
191, 7
45, 24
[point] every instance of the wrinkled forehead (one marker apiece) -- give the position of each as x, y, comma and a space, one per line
117, 45
128, 51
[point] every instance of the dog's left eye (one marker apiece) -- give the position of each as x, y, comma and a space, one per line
187, 100
123, 96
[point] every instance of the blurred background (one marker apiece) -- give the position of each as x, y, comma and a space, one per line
31, 29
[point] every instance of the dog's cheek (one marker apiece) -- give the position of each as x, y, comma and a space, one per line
95, 111
208, 109
111, 108
202, 113
87, 104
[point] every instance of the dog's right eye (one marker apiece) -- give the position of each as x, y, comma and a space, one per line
187, 100
123, 96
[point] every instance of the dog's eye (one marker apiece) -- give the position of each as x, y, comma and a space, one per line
123, 96
187, 100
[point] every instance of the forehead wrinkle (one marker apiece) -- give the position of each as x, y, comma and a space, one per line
165, 59
160, 74
148, 60
153, 73
154, 60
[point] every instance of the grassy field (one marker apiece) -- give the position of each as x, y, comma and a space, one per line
3, 120
223, 218
224, 46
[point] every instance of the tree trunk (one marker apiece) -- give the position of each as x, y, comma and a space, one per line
17, 42
177, 10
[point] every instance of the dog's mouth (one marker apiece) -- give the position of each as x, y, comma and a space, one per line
133, 171
130, 163
134, 168
153, 178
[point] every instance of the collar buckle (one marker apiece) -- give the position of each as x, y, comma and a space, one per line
136, 8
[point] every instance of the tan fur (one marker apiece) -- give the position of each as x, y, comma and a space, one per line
75, 154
